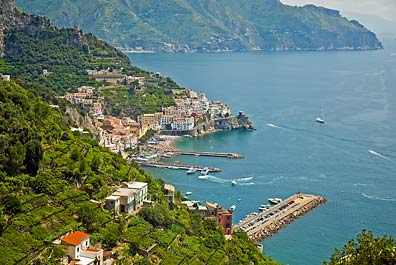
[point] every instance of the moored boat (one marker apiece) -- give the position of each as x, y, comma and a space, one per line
205, 171
274, 200
191, 170
232, 208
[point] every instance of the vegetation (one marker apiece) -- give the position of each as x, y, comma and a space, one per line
200, 25
53, 180
128, 102
366, 250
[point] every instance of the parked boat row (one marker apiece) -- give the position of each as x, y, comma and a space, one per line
274, 200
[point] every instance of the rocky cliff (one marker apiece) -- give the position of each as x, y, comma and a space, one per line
13, 19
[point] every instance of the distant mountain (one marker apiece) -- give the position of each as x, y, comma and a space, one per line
208, 25
379, 25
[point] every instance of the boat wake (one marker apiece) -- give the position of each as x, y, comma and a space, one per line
245, 179
375, 197
272, 125
360, 184
240, 181
379, 155
214, 179
273, 180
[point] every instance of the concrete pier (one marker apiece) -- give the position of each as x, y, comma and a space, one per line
268, 222
212, 154
177, 166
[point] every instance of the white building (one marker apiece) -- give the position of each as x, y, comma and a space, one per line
183, 124
81, 252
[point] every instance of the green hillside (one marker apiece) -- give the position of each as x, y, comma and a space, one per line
53, 180
203, 25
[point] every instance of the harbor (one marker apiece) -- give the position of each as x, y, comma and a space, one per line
260, 226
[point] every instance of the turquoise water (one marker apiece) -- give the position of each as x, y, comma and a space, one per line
358, 92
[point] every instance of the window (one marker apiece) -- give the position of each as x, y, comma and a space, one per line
78, 249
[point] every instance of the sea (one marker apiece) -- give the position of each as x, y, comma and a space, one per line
350, 159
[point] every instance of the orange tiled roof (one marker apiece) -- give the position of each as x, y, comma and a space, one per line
74, 238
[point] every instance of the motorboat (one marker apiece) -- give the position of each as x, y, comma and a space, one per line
191, 170
188, 193
233, 182
321, 119
274, 200
232, 208
205, 171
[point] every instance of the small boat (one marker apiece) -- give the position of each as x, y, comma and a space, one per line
264, 207
188, 193
232, 208
203, 177
205, 171
274, 200
321, 119
233, 182
191, 170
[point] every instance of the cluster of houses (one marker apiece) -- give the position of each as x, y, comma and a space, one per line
127, 199
119, 135
115, 77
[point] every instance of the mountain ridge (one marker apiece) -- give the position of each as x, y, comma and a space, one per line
208, 25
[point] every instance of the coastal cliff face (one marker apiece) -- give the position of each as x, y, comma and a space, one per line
208, 26
13, 19
240, 122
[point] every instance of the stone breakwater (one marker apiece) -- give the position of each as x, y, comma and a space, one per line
267, 223
268, 231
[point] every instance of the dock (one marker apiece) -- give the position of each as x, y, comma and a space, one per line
211, 154
265, 224
177, 166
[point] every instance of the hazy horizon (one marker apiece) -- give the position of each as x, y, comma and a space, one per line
385, 9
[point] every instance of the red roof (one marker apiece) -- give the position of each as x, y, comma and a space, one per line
75, 238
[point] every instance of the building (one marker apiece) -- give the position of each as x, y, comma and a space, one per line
128, 198
169, 192
141, 189
185, 124
80, 251
6, 78
212, 211
112, 203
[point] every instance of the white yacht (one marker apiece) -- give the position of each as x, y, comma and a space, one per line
274, 200
205, 171
191, 170
321, 119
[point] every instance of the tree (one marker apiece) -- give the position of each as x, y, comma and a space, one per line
34, 154
367, 250
12, 203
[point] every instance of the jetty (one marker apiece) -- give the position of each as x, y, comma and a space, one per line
212, 154
176, 166
260, 226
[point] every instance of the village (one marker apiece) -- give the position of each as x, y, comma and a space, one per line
191, 115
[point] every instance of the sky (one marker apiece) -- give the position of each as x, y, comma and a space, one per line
385, 9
